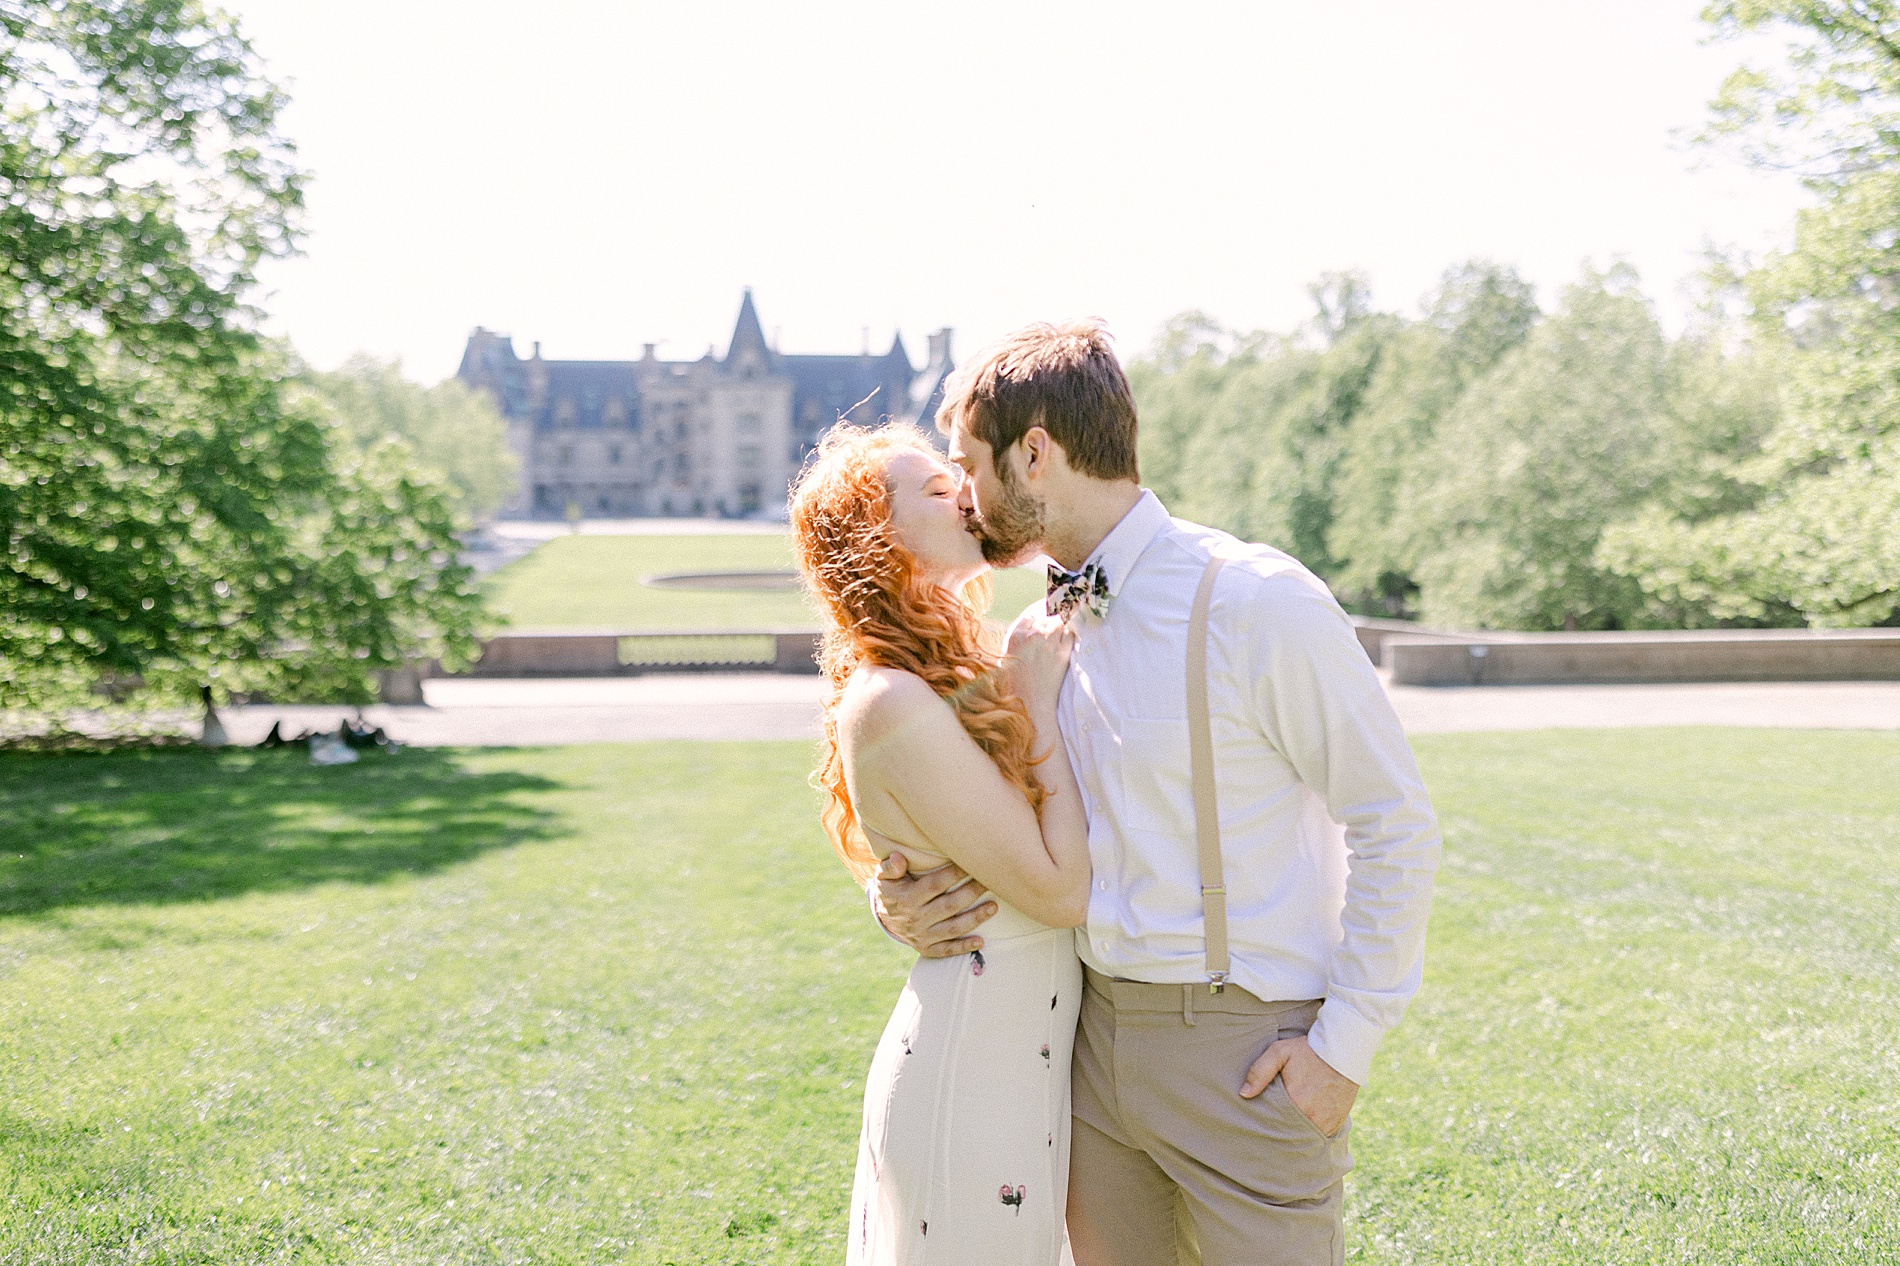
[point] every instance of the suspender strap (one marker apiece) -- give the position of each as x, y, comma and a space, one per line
1206, 804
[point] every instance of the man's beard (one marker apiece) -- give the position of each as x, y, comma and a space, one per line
1012, 530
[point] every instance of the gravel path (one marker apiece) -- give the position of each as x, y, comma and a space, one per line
491, 713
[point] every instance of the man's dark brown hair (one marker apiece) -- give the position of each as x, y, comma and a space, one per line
1063, 378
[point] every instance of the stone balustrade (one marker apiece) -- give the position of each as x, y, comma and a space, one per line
617, 653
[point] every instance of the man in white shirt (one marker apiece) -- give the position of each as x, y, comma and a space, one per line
1210, 1118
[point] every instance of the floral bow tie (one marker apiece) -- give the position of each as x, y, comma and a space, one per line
1068, 590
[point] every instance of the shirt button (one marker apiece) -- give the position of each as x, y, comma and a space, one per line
1102, 884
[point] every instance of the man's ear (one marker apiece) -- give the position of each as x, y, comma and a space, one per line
1039, 450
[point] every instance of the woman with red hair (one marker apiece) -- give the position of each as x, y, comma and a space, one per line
941, 744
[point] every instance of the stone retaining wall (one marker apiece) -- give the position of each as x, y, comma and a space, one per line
1414, 656
1375, 633
1440, 659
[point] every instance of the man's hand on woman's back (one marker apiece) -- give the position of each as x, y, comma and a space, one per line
933, 913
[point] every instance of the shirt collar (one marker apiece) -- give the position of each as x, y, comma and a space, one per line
1127, 540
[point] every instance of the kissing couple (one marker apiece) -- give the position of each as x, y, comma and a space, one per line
1164, 850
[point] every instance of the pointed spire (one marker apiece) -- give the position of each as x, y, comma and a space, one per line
748, 338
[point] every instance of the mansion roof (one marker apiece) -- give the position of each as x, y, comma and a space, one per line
594, 394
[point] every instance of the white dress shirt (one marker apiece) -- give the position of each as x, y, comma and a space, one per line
1305, 742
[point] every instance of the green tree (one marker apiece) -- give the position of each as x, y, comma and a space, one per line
1245, 431
171, 510
1561, 439
1172, 382
1724, 405
1828, 112
1478, 312
1341, 300
454, 430
1820, 532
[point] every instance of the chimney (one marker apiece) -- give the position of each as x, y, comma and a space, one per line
537, 380
940, 347
646, 350
537, 349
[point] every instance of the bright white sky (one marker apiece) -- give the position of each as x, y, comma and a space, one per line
596, 175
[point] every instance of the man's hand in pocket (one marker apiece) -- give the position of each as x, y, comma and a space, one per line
1322, 1094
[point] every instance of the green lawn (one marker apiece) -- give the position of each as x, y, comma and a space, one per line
594, 582
614, 1004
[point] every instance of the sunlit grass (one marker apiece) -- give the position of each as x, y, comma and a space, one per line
1662, 1012
614, 1004
595, 582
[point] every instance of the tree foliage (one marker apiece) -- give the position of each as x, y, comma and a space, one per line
1248, 430
172, 510
1477, 313
1828, 112
1819, 531
1469, 464
1491, 467
455, 431
1536, 458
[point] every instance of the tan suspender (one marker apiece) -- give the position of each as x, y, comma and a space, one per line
1206, 803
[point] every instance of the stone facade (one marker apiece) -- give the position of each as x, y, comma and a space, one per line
713, 436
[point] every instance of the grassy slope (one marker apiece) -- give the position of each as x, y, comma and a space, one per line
594, 581
614, 1004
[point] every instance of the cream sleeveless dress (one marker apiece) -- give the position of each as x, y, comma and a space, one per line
964, 1155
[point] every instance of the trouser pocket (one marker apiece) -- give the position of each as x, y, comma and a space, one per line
1180, 1093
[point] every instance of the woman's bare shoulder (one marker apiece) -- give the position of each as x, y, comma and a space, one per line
876, 700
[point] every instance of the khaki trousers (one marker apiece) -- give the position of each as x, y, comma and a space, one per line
1169, 1164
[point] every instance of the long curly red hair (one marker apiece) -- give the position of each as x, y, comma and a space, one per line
877, 610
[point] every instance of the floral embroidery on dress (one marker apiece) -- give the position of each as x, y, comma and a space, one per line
1012, 1196
977, 964
1045, 1050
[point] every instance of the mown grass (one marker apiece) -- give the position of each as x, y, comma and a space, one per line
1660, 1020
614, 1004
595, 582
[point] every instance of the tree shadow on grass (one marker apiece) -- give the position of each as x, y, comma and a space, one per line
155, 827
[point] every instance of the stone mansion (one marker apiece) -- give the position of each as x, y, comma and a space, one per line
713, 436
